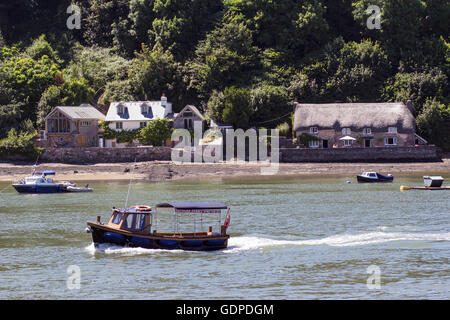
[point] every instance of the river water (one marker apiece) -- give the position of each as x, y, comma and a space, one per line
291, 238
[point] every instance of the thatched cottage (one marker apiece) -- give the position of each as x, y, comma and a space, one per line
335, 125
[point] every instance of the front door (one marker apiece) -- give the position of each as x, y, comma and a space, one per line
367, 143
325, 144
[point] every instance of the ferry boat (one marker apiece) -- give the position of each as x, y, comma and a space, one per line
137, 227
38, 182
374, 177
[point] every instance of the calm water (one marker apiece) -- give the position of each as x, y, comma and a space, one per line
293, 238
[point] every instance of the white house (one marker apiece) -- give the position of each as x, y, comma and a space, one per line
136, 114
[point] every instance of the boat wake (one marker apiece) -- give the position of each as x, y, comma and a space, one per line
236, 244
114, 249
244, 243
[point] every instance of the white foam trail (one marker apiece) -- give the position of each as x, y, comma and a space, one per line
342, 240
113, 249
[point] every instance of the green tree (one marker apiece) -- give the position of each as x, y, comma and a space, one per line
237, 108
434, 123
269, 103
70, 93
226, 57
154, 72
180, 24
418, 86
155, 133
26, 79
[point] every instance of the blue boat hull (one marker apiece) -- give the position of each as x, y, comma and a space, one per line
106, 235
32, 188
379, 178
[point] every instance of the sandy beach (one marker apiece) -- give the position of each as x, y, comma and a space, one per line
163, 170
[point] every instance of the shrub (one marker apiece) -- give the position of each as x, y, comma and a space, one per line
19, 143
155, 132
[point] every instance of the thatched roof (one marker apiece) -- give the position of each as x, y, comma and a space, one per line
357, 116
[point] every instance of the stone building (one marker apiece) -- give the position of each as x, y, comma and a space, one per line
186, 118
71, 126
347, 125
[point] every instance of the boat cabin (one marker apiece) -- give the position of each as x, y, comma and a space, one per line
433, 181
370, 174
136, 219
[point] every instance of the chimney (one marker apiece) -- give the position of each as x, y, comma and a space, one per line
165, 104
295, 103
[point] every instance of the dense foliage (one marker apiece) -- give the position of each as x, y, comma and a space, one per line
238, 61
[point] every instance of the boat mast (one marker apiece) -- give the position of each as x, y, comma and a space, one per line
129, 185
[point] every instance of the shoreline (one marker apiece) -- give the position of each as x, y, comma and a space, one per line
166, 170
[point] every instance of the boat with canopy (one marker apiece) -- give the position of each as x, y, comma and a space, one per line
39, 182
137, 226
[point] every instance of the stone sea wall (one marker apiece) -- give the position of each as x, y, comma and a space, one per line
106, 155
287, 155
379, 154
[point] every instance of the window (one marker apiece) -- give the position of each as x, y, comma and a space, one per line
142, 124
139, 223
119, 125
135, 221
367, 131
392, 130
188, 123
314, 130
117, 218
119, 109
85, 123
390, 141
347, 143
346, 131
144, 109
313, 143
187, 113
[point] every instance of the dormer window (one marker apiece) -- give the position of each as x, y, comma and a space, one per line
367, 131
120, 109
313, 130
392, 130
144, 109
346, 131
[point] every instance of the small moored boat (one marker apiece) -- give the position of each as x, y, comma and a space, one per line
374, 177
38, 182
136, 227
433, 181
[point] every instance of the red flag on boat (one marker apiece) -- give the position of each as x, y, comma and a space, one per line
227, 220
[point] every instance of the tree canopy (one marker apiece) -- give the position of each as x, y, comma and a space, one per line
241, 61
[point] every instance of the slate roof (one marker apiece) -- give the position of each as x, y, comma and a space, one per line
132, 111
82, 112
